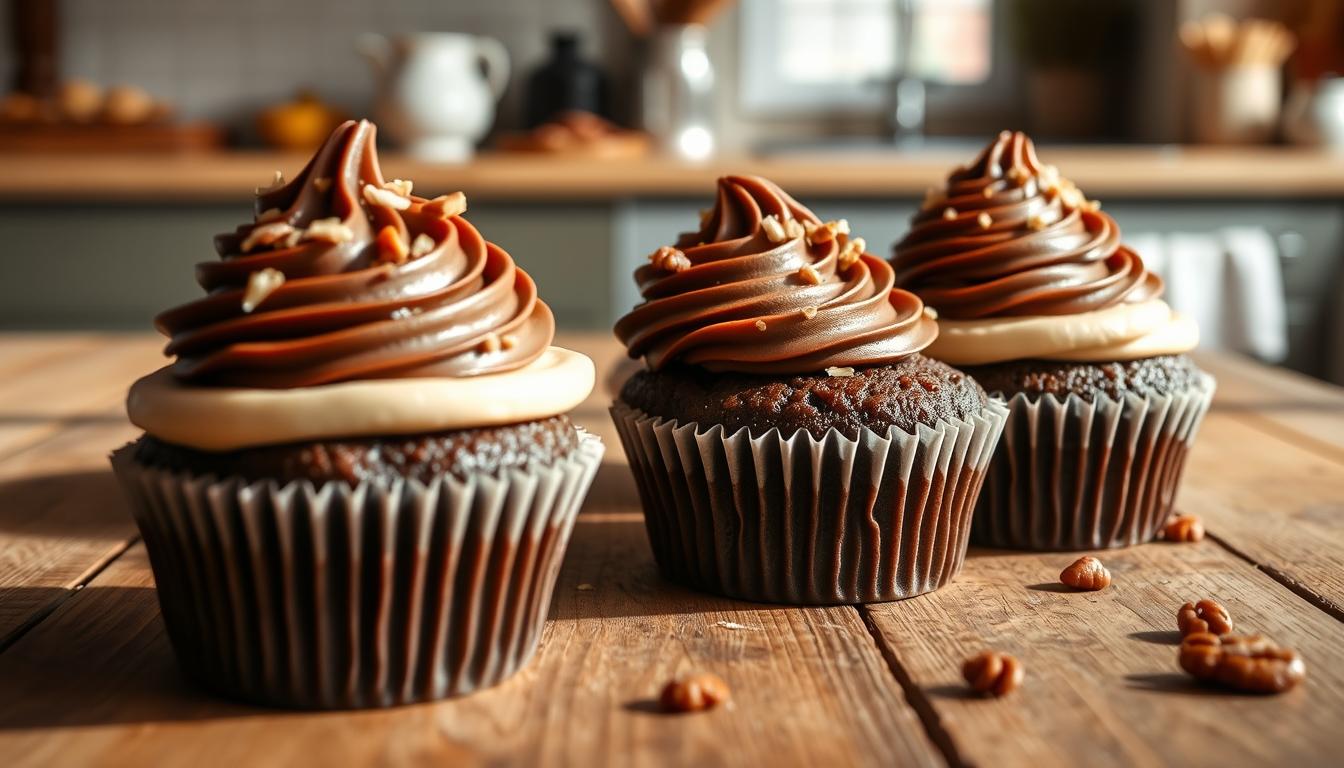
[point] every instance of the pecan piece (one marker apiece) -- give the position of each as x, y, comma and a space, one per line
1204, 616
694, 693
1184, 528
1086, 573
1242, 662
669, 259
992, 673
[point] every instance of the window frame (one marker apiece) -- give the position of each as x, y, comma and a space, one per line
762, 93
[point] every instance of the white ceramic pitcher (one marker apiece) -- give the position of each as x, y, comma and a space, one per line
433, 97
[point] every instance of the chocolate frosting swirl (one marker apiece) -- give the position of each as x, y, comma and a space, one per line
1007, 237
401, 287
765, 286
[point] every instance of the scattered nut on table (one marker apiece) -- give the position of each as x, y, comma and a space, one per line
1086, 573
1204, 616
1184, 529
1242, 662
694, 693
993, 673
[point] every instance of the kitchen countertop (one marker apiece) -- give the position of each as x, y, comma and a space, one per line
1138, 171
87, 675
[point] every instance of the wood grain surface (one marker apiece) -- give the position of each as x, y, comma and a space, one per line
87, 676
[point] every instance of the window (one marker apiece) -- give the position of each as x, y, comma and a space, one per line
808, 55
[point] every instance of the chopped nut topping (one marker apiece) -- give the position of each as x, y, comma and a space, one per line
1204, 616
261, 284
1186, 529
322, 183
839, 371
793, 229
402, 313
773, 229
508, 341
421, 245
825, 233
391, 248
270, 214
1036, 222
447, 206
585, 587
265, 234
984, 220
1086, 573
988, 192
489, 344
949, 213
669, 259
399, 186
992, 673
809, 312
1242, 662
850, 253
760, 325
809, 274
331, 230
1048, 174
386, 197
694, 693
930, 312
276, 183
1017, 175
1091, 205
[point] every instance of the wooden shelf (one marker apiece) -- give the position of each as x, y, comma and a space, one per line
1147, 172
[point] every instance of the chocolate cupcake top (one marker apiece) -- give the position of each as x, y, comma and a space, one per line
1019, 264
351, 308
765, 286
346, 276
1007, 237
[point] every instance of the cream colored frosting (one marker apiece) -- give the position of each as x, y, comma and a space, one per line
1121, 332
222, 418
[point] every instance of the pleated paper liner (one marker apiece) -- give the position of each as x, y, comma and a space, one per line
806, 521
339, 597
1072, 475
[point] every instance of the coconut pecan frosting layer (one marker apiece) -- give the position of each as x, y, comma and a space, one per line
764, 286
1008, 237
344, 276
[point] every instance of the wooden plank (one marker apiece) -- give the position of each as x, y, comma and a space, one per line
1102, 683
88, 382
1299, 408
61, 518
96, 682
1279, 504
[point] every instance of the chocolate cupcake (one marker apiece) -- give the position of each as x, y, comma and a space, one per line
789, 441
357, 480
1039, 301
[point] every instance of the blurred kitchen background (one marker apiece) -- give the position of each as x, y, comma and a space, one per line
588, 132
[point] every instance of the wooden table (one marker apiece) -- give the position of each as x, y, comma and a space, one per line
87, 676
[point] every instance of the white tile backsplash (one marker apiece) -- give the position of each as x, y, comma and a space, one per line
223, 60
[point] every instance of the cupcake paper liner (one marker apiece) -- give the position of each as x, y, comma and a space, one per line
806, 521
1072, 475
367, 596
